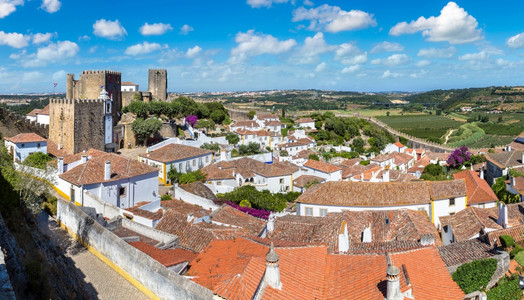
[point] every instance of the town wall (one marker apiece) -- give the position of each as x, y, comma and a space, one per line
61, 123
89, 125
128, 97
12, 124
141, 270
157, 84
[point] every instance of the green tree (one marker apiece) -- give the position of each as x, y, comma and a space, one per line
143, 129
37, 160
139, 108
251, 114
284, 153
314, 157
232, 138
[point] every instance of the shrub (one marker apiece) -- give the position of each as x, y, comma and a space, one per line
37, 160
519, 257
506, 289
515, 251
244, 203
258, 199
50, 205
475, 275
259, 213
165, 197
507, 241
314, 157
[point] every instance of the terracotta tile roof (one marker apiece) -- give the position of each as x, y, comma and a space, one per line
516, 213
127, 83
90, 153
437, 156
469, 222
351, 193
368, 174
232, 216
195, 237
26, 138
351, 162
185, 208
462, 252
304, 154
321, 166
381, 158
302, 181
401, 158
175, 152
297, 143
262, 133
273, 123
137, 211
420, 165
247, 167
399, 144
267, 116
52, 149
126, 232
477, 189
241, 131
516, 232
93, 170
304, 120
213, 172
396, 175
200, 189
245, 124
350, 171
33, 112
168, 257
506, 159
44, 111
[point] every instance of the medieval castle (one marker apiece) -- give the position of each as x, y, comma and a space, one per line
80, 121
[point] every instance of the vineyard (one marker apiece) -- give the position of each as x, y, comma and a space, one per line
473, 136
467, 134
428, 127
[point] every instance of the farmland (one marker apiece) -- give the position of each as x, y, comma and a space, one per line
428, 127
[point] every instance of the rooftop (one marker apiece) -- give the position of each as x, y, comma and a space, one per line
175, 152
321, 166
506, 159
167, 257
302, 181
477, 189
232, 216
29, 137
305, 120
468, 222
462, 252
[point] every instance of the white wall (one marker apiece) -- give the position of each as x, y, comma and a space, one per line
442, 208
193, 199
334, 176
301, 208
42, 119
294, 150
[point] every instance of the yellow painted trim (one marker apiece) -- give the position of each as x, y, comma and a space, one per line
291, 182
432, 212
269, 141
243, 141
466, 199
78, 204
112, 265
61, 193
164, 175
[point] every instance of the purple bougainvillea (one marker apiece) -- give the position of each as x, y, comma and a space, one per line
460, 156
259, 213
191, 120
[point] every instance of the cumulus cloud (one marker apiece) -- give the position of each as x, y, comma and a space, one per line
185, 29
437, 53
418, 74
143, 48
18, 55
40, 38
321, 67
264, 3
482, 55
13, 39
59, 76
51, 6
516, 41
155, 29
193, 52
31, 76
387, 47
349, 54
351, 69
389, 74
7, 7
109, 29
423, 63
393, 60
251, 43
454, 25
333, 19
312, 48
54, 52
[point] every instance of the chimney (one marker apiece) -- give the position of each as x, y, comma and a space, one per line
393, 283
343, 238
522, 157
270, 226
366, 235
272, 275
60, 165
385, 175
84, 158
511, 181
107, 170
503, 215
223, 156
361, 176
481, 172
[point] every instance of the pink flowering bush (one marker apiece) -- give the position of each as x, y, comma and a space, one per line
459, 157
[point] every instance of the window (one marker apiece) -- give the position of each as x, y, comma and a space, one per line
387, 221
207, 159
445, 228
108, 108
194, 162
323, 212
180, 167
38, 145
309, 211
451, 201
281, 180
451, 213
22, 145
219, 182
122, 191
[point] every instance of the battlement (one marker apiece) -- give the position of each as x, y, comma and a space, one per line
101, 72
75, 101
161, 71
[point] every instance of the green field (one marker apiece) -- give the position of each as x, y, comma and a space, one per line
421, 126
490, 141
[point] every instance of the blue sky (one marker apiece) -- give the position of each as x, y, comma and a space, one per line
264, 44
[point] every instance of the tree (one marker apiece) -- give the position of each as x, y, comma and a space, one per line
37, 160
205, 123
212, 147
218, 116
251, 114
143, 129
314, 157
139, 108
358, 144
459, 157
284, 153
387, 113
232, 138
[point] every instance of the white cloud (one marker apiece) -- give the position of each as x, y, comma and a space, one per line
437, 53
32, 76
13, 39
54, 52
351, 69
392, 60
40, 38
308, 3
387, 47
109, 29
7, 7
51, 6
333, 19
312, 48
185, 29
251, 43
321, 67
349, 54
389, 74
155, 29
264, 3
454, 25
84, 38
423, 63
59, 76
193, 52
18, 55
419, 74
143, 48
516, 41
482, 55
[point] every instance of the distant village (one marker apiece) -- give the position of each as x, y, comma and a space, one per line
199, 207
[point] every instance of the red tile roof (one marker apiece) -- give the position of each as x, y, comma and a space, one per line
477, 189
305, 120
232, 216
168, 257
399, 144
26, 138
93, 170
321, 166
33, 112
175, 152
468, 222
44, 111
52, 149
245, 124
302, 181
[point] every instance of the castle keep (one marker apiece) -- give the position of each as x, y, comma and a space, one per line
157, 82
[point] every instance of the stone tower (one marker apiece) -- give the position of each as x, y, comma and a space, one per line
158, 84
89, 84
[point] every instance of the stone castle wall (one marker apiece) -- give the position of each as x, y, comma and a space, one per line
157, 84
61, 123
12, 124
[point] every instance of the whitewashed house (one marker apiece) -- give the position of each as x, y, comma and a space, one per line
23, 144
305, 123
183, 158
499, 164
395, 147
127, 86
246, 125
40, 116
321, 169
436, 198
